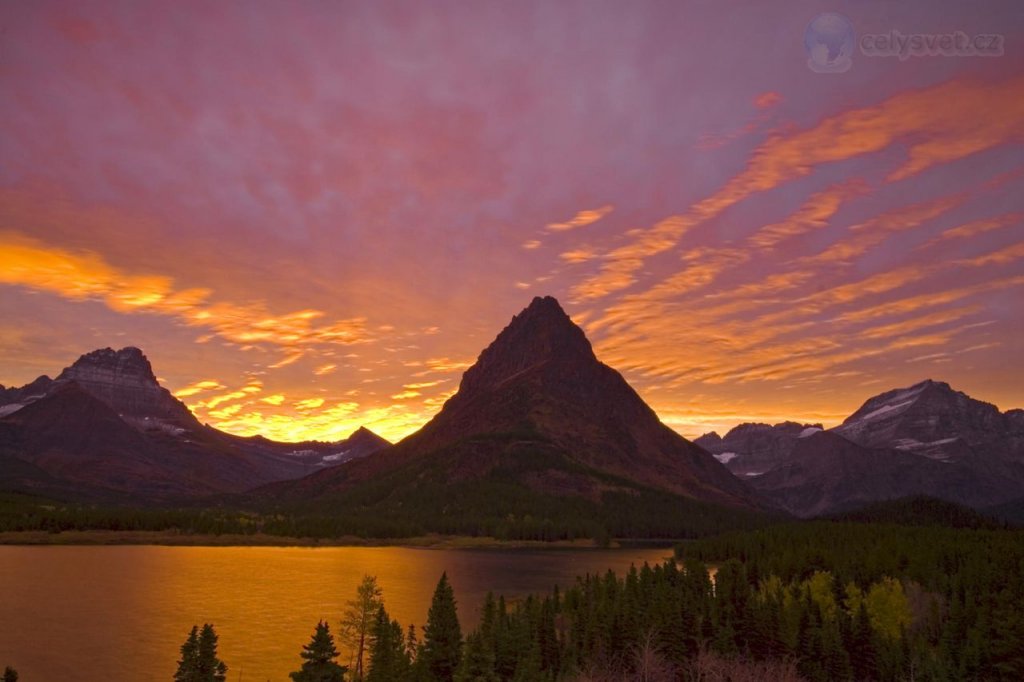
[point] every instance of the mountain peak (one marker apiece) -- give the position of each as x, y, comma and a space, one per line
127, 362
539, 401
539, 334
124, 380
930, 418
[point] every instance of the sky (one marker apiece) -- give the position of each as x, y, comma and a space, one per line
313, 216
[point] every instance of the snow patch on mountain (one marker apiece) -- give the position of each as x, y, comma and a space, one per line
10, 409
883, 410
726, 457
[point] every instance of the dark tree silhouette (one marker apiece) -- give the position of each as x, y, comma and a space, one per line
10, 674
441, 652
199, 662
389, 659
319, 664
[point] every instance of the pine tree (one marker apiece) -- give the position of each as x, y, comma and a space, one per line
411, 644
199, 662
188, 666
861, 646
478, 663
319, 655
389, 659
211, 668
357, 621
442, 638
10, 674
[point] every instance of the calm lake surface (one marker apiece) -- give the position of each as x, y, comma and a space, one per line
87, 614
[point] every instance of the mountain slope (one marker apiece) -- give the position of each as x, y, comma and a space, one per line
752, 449
106, 429
825, 473
540, 417
927, 439
929, 419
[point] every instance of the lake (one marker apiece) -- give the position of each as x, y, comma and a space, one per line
121, 613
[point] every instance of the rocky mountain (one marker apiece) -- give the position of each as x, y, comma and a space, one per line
753, 449
929, 419
541, 416
927, 439
124, 380
106, 429
826, 473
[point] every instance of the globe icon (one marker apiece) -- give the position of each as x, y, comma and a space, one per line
829, 41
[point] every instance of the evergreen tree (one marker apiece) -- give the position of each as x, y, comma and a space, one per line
411, 644
441, 651
10, 674
189, 664
389, 659
211, 668
199, 662
358, 619
319, 664
861, 646
478, 662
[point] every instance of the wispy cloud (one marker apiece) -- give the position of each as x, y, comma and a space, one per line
581, 219
938, 124
83, 275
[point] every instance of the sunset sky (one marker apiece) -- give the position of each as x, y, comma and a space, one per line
313, 216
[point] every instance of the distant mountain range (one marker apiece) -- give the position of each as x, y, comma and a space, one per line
105, 429
927, 439
539, 429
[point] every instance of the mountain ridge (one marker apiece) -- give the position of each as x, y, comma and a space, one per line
105, 427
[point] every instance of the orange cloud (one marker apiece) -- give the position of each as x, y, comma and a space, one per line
878, 229
976, 227
86, 276
198, 387
938, 125
813, 215
1000, 257
581, 255
406, 395
767, 100
581, 219
915, 303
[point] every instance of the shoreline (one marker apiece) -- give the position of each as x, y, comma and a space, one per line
175, 539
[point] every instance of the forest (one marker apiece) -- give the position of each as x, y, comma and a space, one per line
825, 600
469, 512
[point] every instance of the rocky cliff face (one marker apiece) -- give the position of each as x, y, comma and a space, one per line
106, 429
124, 380
753, 449
826, 473
927, 439
929, 419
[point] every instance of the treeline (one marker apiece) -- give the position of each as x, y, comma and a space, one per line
26, 513
822, 601
470, 512
953, 599
922, 510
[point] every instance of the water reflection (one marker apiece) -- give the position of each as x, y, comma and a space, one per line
122, 612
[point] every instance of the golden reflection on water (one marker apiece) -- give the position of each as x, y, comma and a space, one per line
121, 613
